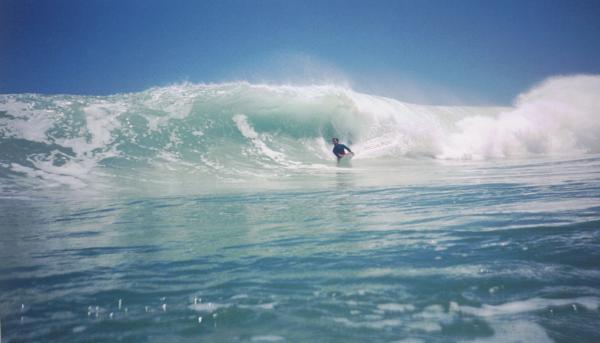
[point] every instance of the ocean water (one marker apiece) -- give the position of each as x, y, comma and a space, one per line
217, 213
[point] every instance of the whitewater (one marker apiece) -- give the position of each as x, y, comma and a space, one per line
217, 212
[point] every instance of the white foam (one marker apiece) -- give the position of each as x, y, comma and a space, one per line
409, 340
79, 328
557, 117
394, 307
267, 338
529, 305
101, 121
29, 123
424, 326
239, 296
207, 307
456, 271
55, 179
515, 332
266, 306
241, 121
373, 324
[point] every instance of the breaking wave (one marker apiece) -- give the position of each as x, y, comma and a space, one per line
235, 129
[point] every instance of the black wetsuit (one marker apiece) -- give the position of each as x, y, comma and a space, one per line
339, 151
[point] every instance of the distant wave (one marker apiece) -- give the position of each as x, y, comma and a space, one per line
241, 128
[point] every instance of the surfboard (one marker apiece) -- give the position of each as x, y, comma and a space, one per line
345, 160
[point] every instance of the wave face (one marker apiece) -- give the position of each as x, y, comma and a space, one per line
238, 129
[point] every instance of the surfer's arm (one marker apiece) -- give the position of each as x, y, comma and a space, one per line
348, 149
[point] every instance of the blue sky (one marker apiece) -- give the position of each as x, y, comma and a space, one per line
434, 51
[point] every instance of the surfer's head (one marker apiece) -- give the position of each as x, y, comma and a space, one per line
335, 140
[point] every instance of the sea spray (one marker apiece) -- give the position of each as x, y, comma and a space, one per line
560, 116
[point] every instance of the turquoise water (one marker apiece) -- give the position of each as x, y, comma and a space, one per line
231, 222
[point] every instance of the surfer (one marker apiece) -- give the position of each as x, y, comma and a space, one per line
339, 149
